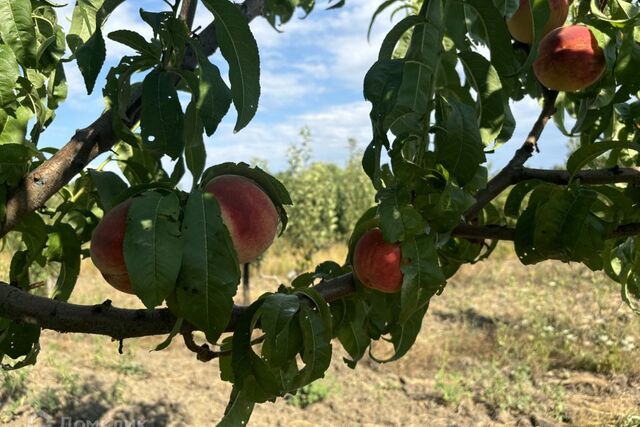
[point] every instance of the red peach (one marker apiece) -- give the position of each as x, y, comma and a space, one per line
569, 59
521, 23
107, 247
376, 263
248, 213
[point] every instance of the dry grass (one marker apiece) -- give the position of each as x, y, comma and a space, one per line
504, 345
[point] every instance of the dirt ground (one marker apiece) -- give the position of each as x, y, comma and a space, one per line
504, 345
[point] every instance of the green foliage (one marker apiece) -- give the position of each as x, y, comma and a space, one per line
327, 199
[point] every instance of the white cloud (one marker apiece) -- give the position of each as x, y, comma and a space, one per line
330, 127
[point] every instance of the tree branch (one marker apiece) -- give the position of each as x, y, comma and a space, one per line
119, 323
495, 232
505, 177
188, 11
587, 177
48, 178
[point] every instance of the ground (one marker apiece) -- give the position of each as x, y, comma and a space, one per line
504, 344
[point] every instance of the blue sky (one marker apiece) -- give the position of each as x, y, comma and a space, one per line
311, 74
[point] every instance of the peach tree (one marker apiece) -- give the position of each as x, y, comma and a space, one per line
440, 95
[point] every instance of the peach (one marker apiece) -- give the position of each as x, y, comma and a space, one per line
569, 59
107, 247
521, 23
376, 263
248, 213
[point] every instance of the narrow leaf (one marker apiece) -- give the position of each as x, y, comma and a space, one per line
210, 273
90, 57
161, 118
152, 246
239, 48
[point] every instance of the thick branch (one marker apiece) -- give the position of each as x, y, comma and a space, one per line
494, 232
188, 11
46, 180
587, 177
505, 177
118, 323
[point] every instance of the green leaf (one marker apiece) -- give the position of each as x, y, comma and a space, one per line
282, 341
174, 331
214, 98
34, 234
251, 374
403, 335
9, 73
17, 30
57, 87
108, 185
628, 60
210, 273
153, 247
90, 57
19, 269
516, 196
398, 220
161, 118
83, 22
239, 48
316, 338
194, 150
352, 332
20, 339
502, 55
63, 246
136, 42
423, 277
507, 7
385, 4
238, 409
567, 230
423, 55
586, 153
491, 100
15, 160
460, 150
390, 41
631, 13
88, 16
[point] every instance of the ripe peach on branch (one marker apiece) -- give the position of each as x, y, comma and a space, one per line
248, 213
569, 59
376, 263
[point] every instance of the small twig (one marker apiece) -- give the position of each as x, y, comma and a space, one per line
505, 177
203, 352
